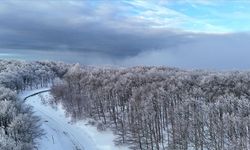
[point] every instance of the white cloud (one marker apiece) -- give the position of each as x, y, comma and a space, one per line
160, 16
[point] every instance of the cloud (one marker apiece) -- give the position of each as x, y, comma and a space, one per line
62, 26
207, 51
162, 15
122, 33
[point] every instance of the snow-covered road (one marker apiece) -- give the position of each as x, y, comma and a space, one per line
63, 135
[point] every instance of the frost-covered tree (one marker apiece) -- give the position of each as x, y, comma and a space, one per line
19, 128
154, 108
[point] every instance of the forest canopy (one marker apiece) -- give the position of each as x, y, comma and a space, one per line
19, 127
146, 107
161, 108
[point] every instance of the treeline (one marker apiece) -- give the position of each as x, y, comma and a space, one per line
153, 108
19, 128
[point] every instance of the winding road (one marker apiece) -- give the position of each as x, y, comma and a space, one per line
60, 134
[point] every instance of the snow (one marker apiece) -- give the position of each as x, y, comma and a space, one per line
61, 134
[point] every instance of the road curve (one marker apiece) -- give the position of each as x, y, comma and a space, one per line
60, 134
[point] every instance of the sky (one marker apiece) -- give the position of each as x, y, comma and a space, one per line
193, 34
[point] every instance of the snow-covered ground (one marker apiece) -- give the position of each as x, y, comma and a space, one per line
61, 134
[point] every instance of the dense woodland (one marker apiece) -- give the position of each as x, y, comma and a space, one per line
148, 108
152, 108
19, 128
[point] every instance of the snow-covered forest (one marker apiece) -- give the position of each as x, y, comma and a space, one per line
19, 128
124, 75
147, 108
152, 108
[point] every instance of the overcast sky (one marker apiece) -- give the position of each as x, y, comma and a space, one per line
209, 34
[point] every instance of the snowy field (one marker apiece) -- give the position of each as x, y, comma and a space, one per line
61, 134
